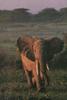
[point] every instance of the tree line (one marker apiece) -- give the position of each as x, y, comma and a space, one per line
23, 15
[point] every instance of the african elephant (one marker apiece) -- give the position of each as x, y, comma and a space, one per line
40, 51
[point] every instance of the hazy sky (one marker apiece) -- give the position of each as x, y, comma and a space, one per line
33, 5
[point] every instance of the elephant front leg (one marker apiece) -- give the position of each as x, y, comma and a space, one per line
36, 79
36, 73
28, 78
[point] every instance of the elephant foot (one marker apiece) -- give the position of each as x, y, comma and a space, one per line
30, 86
47, 82
39, 88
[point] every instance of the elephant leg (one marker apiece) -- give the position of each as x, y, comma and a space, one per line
47, 78
28, 78
36, 75
24, 63
37, 81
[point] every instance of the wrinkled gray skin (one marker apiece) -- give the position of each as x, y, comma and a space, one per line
42, 51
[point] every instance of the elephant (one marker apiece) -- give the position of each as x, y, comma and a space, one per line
40, 51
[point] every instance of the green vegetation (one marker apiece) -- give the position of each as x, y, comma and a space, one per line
23, 15
13, 85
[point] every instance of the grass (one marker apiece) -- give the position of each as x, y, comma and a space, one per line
13, 85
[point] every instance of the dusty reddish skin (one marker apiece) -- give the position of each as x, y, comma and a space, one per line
30, 65
41, 49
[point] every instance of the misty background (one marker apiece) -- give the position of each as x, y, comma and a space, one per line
33, 10
24, 15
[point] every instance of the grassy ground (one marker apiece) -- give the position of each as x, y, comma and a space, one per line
13, 85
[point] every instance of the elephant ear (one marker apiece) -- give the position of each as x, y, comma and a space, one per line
24, 41
20, 44
51, 47
56, 45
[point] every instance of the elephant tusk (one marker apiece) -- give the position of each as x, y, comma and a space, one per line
47, 67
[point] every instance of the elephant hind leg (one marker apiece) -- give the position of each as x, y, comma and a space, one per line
47, 78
